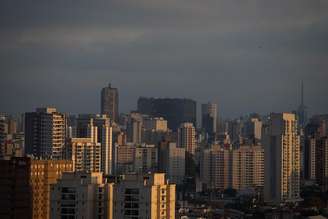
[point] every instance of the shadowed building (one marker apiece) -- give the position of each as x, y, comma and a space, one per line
109, 102
15, 188
175, 111
45, 133
281, 159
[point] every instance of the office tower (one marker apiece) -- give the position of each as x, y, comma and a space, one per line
85, 154
43, 174
15, 188
134, 128
172, 161
248, 167
209, 120
175, 111
124, 158
146, 158
187, 137
81, 195
216, 168
144, 196
109, 102
281, 159
45, 132
302, 110
99, 129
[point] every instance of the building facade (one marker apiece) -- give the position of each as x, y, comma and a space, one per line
81, 195
110, 102
15, 188
144, 196
282, 159
43, 174
248, 167
45, 133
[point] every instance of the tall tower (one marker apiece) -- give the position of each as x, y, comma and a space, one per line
186, 137
45, 132
209, 119
281, 159
109, 102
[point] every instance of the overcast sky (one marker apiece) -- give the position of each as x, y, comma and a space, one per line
245, 55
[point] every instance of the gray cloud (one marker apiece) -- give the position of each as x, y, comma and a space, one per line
246, 55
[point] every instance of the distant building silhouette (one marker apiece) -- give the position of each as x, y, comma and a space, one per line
209, 120
175, 111
109, 102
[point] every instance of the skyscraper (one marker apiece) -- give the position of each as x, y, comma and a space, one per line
99, 129
282, 159
172, 161
174, 110
45, 132
248, 167
109, 102
215, 168
85, 154
187, 137
209, 119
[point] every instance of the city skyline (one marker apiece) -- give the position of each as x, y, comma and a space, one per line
241, 55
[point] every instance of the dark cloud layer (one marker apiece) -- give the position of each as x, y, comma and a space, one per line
245, 55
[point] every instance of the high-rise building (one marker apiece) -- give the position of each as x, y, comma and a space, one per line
172, 161
187, 137
252, 130
15, 188
43, 174
144, 196
45, 132
85, 154
134, 128
281, 159
81, 195
216, 168
109, 102
248, 167
146, 158
154, 130
175, 111
99, 129
124, 158
316, 151
209, 120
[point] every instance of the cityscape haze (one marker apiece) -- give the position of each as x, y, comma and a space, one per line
168, 109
